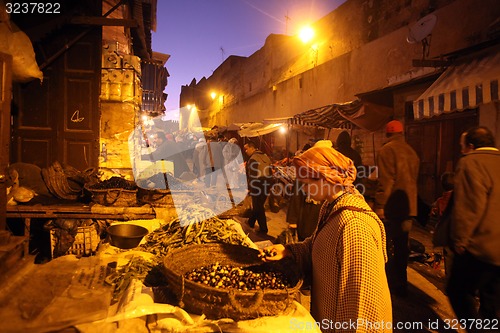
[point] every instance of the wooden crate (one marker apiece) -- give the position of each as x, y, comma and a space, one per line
11, 253
85, 244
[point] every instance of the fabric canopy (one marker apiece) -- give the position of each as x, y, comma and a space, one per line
289, 121
365, 115
258, 129
368, 116
329, 116
463, 86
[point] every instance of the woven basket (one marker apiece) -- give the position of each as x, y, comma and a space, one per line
58, 183
217, 303
86, 241
113, 196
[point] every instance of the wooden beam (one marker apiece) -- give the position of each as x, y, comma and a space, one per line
5, 117
103, 21
430, 63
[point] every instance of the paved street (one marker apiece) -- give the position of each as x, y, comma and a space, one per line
425, 309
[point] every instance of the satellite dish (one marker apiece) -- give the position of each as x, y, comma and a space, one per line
421, 29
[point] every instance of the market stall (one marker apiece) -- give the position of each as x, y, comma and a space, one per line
98, 280
134, 289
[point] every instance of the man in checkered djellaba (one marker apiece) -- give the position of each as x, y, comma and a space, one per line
345, 256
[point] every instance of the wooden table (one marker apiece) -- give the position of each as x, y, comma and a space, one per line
75, 211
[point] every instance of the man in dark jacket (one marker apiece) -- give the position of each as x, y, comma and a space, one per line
396, 201
475, 231
343, 145
259, 174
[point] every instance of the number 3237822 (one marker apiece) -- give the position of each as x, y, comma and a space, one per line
472, 324
33, 8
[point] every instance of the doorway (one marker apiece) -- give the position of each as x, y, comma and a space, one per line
58, 119
437, 143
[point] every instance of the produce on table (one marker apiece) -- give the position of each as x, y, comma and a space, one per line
114, 182
227, 276
200, 226
172, 235
137, 268
268, 253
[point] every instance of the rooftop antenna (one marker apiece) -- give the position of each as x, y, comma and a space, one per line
420, 31
287, 18
222, 53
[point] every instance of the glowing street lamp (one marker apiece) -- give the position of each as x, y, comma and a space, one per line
306, 34
191, 107
213, 94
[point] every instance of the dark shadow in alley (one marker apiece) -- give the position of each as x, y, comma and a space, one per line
414, 313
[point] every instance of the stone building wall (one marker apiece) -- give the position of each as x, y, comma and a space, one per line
361, 47
121, 93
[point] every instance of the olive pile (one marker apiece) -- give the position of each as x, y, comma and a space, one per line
226, 276
268, 253
114, 182
165, 181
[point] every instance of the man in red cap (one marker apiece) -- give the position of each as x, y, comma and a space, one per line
396, 201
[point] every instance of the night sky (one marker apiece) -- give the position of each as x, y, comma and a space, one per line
200, 34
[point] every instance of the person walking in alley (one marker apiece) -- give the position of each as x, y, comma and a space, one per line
258, 170
216, 162
396, 201
475, 231
302, 212
232, 160
464, 148
441, 214
201, 161
345, 256
343, 145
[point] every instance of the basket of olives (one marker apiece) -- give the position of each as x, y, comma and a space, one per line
115, 191
222, 280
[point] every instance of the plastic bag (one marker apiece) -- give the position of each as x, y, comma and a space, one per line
61, 293
16, 43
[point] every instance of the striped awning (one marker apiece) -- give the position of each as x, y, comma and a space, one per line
288, 121
257, 129
462, 86
365, 115
330, 116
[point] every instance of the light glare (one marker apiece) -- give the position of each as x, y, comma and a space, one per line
306, 34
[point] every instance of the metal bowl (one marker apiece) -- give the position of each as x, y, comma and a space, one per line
126, 236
